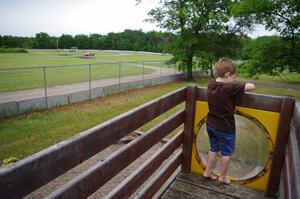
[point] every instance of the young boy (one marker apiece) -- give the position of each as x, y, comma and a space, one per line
222, 93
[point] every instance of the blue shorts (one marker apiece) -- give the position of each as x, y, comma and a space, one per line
221, 141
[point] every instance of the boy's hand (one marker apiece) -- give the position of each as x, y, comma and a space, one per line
249, 86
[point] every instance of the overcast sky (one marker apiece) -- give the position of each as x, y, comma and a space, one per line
55, 17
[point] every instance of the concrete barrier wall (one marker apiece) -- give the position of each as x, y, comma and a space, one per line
8, 108
25, 106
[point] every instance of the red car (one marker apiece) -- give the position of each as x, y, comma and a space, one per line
88, 54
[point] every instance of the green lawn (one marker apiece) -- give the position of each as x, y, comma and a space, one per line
41, 58
34, 78
292, 78
103, 65
24, 135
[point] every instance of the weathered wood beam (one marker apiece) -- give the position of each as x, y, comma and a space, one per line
191, 94
250, 100
36, 170
286, 113
154, 185
139, 176
93, 178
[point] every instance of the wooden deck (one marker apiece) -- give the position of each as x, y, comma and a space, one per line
192, 186
31, 173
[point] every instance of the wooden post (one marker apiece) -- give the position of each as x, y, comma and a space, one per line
191, 95
286, 112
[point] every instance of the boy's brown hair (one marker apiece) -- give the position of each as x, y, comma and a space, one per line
223, 66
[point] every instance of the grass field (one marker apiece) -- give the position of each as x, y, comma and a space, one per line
103, 65
24, 135
41, 58
34, 78
286, 77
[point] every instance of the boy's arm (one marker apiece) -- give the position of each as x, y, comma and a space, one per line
249, 86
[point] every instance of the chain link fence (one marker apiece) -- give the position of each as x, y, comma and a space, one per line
33, 82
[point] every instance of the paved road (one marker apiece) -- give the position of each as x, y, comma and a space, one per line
71, 88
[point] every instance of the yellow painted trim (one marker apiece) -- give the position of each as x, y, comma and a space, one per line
269, 121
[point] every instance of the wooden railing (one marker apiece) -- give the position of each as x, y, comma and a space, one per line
290, 176
35, 171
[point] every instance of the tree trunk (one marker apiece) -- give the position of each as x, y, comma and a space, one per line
190, 68
211, 69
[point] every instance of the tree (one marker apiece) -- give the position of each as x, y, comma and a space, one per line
215, 46
12, 41
126, 40
66, 41
95, 41
282, 16
43, 41
264, 53
82, 41
191, 20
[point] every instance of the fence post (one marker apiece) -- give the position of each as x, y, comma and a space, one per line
161, 65
45, 87
143, 76
188, 134
90, 81
119, 76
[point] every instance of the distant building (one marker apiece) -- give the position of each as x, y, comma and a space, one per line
73, 49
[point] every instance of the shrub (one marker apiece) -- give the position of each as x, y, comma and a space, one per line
4, 49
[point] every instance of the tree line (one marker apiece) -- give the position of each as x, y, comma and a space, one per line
137, 40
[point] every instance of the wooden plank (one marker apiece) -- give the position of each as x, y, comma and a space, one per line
154, 185
231, 190
201, 93
296, 122
92, 179
286, 178
180, 189
188, 127
296, 162
168, 182
172, 194
250, 100
287, 109
293, 157
290, 180
140, 175
281, 190
31, 173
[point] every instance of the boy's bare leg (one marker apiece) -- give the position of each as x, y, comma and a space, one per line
210, 160
225, 160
